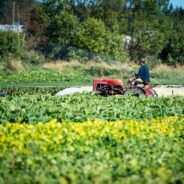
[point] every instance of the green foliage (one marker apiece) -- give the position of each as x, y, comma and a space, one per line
83, 107
19, 91
33, 58
173, 51
71, 53
93, 36
81, 74
84, 56
93, 152
90, 35
176, 55
61, 30
12, 64
97, 27
22, 11
155, 28
42, 75
113, 14
149, 28
11, 43
153, 61
60, 22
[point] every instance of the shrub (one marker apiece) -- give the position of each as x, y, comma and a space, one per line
153, 61
33, 58
83, 55
13, 64
92, 35
11, 42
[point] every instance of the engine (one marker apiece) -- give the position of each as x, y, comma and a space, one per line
108, 86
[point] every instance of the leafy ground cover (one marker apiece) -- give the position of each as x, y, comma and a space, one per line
42, 78
75, 74
87, 106
40, 75
118, 139
19, 91
149, 151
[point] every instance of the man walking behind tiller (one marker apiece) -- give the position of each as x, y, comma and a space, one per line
143, 75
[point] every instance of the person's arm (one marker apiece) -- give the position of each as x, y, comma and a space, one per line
139, 73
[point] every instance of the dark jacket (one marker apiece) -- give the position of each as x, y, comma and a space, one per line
144, 73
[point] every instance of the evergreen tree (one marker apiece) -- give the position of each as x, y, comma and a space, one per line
147, 26
155, 27
6, 7
112, 13
173, 51
21, 8
60, 21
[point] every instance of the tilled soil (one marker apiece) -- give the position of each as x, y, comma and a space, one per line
169, 90
162, 90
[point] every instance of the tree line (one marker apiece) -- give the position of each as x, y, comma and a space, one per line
100, 28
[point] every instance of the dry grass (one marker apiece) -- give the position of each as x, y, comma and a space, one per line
15, 65
63, 65
59, 65
168, 69
124, 70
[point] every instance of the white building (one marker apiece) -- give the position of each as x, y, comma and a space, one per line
15, 28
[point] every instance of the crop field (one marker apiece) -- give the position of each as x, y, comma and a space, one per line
68, 74
86, 138
84, 107
126, 151
59, 124
43, 78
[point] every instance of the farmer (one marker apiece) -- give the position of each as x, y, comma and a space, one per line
143, 76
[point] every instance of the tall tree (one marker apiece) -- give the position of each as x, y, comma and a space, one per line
21, 10
60, 21
148, 24
173, 51
111, 12
6, 7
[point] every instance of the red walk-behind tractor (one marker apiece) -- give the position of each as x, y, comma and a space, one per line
108, 87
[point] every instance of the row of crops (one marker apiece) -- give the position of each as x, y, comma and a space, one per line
123, 151
19, 91
87, 138
84, 107
41, 75
42, 78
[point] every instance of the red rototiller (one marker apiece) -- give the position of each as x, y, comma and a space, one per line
108, 87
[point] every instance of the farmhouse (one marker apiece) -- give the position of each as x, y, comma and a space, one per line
15, 28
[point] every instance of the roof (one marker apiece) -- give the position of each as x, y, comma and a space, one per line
15, 28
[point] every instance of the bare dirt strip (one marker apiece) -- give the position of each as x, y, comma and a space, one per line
169, 90
162, 90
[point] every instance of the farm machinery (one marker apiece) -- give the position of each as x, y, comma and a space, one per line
108, 87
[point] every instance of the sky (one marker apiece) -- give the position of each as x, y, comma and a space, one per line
177, 3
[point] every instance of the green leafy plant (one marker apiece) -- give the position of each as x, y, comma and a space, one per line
11, 43
87, 106
93, 152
